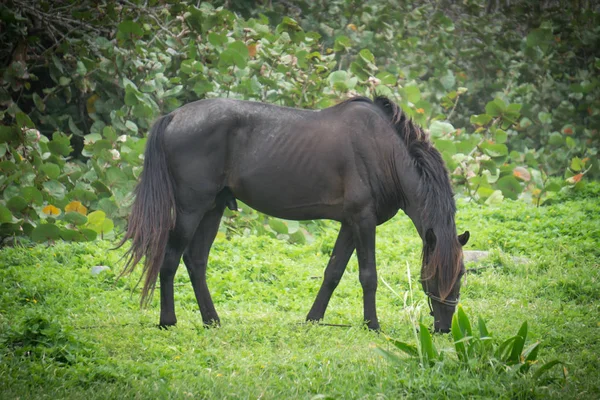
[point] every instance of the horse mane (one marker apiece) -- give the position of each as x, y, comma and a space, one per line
435, 192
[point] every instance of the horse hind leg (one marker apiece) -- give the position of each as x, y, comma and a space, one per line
195, 257
179, 237
188, 219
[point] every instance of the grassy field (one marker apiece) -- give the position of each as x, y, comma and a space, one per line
66, 333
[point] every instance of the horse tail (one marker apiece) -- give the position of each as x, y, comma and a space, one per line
153, 212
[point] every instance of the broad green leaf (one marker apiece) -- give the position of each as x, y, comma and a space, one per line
367, 59
556, 139
96, 217
495, 107
530, 353
494, 149
131, 126
545, 368
60, 144
503, 351
576, 164
278, 225
463, 321
448, 80
553, 187
429, 352
23, 120
446, 147
128, 29
510, 186
240, 48
359, 71
525, 122
16, 203
338, 76
481, 119
541, 38
39, 103
75, 218
500, 136
45, 232
518, 344
298, 237
405, 347
389, 355
413, 93
439, 128
386, 78
73, 128
544, 117
55, 189
216, 39
64, 81
98, 222
5, 215
483, 331
342, 43
108, 132
458, 336
51, 170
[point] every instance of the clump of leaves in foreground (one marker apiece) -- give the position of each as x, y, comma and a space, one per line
476, 350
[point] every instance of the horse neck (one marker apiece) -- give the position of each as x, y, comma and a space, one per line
407, 180
427, 196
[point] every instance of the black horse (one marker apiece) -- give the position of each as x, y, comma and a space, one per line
358, 163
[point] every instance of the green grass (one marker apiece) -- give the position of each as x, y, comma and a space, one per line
65, 333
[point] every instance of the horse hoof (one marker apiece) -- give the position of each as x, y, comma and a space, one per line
211, 324
374, 327
165, 326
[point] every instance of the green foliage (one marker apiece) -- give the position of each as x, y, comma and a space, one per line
40, 338
97, 343
476, 350
80, 92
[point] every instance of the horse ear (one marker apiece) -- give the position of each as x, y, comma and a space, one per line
464, 238
430, 238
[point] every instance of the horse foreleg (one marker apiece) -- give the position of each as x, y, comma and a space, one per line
363, 229
196, 258
342, 250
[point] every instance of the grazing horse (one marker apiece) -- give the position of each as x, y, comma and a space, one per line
358, 163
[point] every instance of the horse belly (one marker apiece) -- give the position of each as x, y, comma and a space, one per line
311, 190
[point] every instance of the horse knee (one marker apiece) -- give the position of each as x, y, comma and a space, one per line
331, 280
170, 264
368, 279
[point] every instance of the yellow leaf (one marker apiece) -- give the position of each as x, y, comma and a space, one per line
252, 49
51, 210
77, 207
91, 109
351, 27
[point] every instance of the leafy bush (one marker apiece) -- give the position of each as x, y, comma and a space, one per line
39, 337
514, 111
476, 350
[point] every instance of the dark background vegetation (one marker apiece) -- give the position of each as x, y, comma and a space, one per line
508, 90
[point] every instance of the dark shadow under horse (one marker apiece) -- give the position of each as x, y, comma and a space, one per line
358, 163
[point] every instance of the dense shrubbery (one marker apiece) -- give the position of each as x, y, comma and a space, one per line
511, 98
